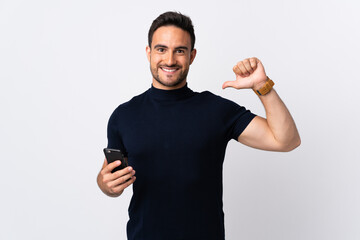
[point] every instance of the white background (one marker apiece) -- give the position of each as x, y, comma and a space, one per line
65, 65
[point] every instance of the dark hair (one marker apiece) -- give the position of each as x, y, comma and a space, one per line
176, 19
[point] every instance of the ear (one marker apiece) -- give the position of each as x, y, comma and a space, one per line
148, 51
192, 55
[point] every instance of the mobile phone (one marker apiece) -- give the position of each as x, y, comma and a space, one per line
115, 154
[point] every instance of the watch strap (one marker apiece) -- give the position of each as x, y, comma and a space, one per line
266, 88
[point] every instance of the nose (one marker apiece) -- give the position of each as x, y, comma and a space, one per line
170, 59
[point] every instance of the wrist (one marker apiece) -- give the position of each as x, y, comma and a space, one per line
263, 88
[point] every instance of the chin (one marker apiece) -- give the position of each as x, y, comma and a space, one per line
171, 83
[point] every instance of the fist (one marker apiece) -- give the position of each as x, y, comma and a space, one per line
250, 73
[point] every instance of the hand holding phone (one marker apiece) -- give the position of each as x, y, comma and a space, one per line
113, 179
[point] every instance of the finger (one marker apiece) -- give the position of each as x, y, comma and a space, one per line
118, 174
121, 180
247, 65
236, 84
244, 72
122, 172
125, 185
109, 167
253, 63
229, 84
236, 70
113, 165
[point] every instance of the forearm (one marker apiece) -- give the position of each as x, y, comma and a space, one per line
280, 121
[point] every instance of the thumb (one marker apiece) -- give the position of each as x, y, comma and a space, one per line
229, 84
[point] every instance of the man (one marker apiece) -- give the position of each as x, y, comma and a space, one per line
175, 139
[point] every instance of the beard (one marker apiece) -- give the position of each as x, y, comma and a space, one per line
174, 82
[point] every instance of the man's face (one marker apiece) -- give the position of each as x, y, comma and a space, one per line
170, 56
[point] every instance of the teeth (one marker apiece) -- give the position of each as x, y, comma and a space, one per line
168, 70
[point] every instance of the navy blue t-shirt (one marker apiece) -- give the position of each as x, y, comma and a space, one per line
175, 141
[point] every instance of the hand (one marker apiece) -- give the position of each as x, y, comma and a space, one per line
113, 184
250, 73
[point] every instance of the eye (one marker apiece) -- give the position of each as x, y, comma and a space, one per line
180, 51
161, 50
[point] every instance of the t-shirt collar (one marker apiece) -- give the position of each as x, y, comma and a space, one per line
176, 94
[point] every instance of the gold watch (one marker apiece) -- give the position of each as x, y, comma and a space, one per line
266, 88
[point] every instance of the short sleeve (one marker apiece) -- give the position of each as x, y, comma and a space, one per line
234, 117
242, 119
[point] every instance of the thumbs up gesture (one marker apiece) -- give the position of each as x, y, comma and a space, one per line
250, 73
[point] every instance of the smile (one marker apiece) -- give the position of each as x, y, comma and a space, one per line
168, 70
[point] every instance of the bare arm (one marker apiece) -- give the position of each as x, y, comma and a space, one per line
278, 131
275, 133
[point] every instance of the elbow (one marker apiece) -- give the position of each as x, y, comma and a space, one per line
291, 145
298, 142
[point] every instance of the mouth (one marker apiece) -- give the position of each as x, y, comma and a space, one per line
169, 70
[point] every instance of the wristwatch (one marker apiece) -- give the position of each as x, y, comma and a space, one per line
266, 88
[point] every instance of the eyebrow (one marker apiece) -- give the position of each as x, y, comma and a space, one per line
163, 46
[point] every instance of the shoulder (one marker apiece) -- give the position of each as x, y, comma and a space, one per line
210, 97
132, 103
224, 107
129, 107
